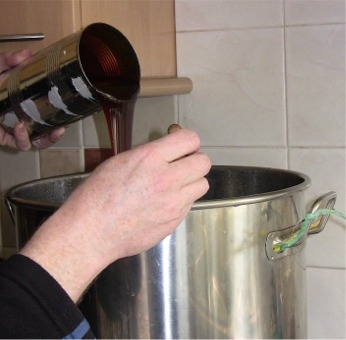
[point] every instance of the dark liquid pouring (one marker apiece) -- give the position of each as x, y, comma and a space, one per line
119, 118
118, 112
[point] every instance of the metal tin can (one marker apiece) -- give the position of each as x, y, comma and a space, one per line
68, 80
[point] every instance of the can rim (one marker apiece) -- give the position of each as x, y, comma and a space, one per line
94, 30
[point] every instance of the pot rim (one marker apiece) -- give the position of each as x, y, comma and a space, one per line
198, 205
255, 198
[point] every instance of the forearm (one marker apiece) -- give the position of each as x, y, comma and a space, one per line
62, 248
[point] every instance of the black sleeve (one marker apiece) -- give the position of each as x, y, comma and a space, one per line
33, 305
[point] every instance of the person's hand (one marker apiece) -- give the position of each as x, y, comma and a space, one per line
20, 139
9, 60
142, 195
126, 206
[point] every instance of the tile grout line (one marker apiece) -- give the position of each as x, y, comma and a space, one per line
322, 267
285, 87
226, 29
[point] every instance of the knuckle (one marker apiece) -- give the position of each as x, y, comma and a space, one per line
205, 186
202, 163
206, 163
194, 138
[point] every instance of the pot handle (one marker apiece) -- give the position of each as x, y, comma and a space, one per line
10, 209
326, 201
290, 240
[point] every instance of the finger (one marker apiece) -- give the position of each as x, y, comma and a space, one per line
3, 66
12, 59
6, 139
178, 144
48, 140
21, 136
191, 168
55, 135
195, 190
15, 58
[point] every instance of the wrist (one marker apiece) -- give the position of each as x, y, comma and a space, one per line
66, 253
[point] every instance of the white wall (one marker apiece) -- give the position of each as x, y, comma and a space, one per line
269, 90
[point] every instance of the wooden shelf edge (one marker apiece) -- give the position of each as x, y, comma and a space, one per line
155, 87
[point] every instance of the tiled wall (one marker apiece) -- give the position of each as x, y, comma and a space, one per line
269, 90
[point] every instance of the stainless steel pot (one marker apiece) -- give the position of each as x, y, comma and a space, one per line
217, 276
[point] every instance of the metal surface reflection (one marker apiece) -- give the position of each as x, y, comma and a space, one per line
212, 278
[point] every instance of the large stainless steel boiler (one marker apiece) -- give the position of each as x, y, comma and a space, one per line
217, 276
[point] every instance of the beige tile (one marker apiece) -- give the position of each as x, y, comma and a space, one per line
72, 136
95, 131
61, 161
326, 290
17, 167
192, 15
152, 118
302, 12
238, 92
263, 157
316, 85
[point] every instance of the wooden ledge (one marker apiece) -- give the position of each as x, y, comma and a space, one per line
155, 87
